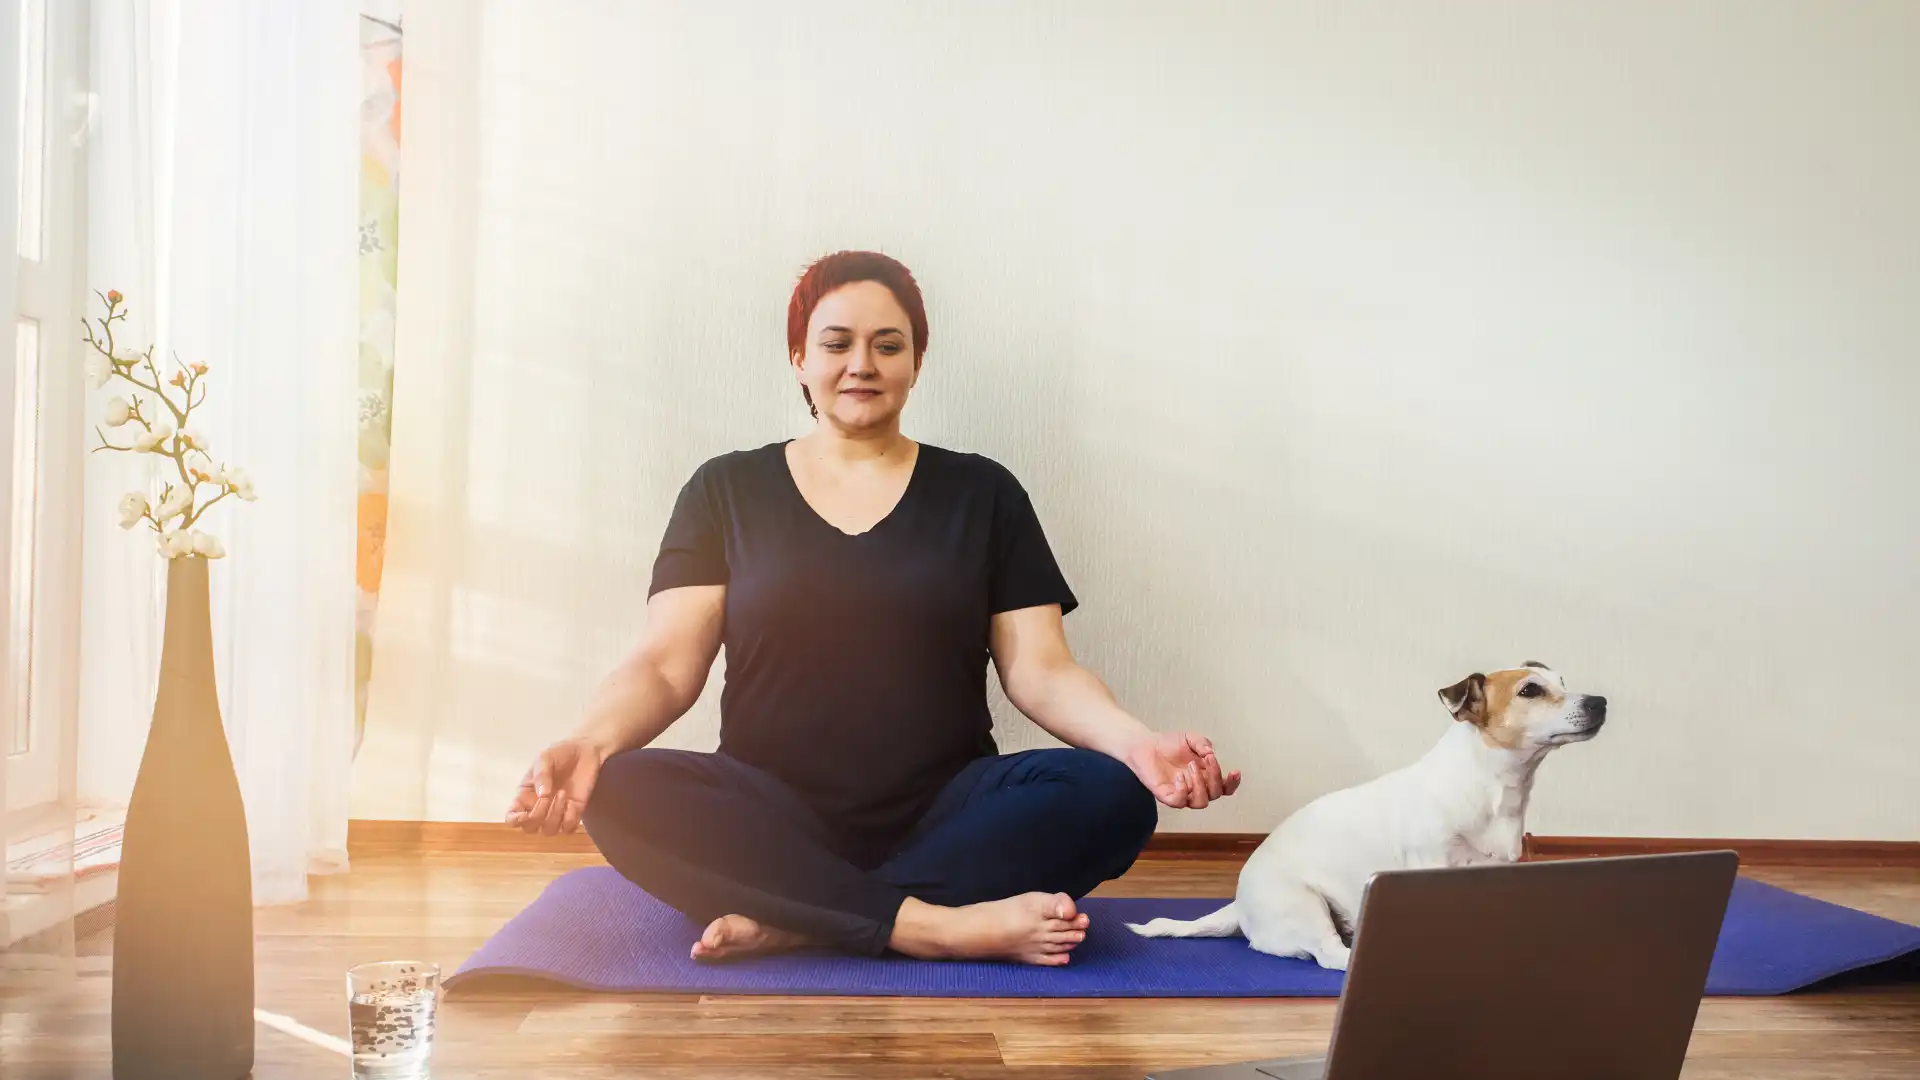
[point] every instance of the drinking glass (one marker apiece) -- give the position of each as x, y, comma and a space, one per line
390, 1011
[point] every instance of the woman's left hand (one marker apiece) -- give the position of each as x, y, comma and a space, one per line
1180, 769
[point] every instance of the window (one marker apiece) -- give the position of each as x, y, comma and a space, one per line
48, 399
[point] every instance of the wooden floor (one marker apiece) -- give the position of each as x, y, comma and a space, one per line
441, 908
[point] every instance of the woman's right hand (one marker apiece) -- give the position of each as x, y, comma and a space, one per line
555, 790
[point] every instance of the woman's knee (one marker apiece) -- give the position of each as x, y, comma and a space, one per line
651, 761
634, 784
1114, 796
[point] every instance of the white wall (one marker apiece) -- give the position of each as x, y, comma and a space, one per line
1346, 349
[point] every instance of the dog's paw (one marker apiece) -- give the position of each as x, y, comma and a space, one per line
1334, 957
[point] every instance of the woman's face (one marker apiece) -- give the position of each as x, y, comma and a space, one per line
859, 362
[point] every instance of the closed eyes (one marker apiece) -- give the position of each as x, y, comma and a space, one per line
886, 348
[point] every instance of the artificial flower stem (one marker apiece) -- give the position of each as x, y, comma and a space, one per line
194, 516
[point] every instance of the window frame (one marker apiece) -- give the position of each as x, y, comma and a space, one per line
43, 581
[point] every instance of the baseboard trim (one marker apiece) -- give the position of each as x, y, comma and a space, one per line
1752, 851
1200, 845
368, 838
371, 837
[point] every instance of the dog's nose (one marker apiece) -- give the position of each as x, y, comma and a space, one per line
1596, 705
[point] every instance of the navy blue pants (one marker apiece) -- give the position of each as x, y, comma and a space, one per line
714, 836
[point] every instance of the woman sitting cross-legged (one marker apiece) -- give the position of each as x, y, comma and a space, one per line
860, 583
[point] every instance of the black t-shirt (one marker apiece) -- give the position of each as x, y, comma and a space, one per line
856, 665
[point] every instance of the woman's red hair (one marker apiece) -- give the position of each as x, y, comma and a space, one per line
846, 268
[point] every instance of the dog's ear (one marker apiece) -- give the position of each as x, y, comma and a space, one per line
1467, 699
1536, 665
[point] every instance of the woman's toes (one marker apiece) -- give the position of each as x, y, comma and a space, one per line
715, 937
727, 935
1076, 922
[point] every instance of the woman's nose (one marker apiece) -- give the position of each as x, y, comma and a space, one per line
860, 361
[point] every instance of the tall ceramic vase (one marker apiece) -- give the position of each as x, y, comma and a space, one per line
183, 917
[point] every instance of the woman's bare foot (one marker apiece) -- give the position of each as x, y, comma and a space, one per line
1032, 928
730, 937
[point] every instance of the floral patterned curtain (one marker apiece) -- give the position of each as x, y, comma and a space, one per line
380, 45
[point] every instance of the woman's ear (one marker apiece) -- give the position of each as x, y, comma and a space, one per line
798, 360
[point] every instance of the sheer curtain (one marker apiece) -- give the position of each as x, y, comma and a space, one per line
606, 208
224, 205
37, 885
532, 463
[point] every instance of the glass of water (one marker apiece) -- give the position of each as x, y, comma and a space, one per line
390, 1010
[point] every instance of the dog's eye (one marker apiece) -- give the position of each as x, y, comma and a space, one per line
1530, 690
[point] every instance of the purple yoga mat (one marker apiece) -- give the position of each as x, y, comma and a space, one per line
594, 930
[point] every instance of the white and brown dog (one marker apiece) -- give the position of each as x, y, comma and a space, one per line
1463, 802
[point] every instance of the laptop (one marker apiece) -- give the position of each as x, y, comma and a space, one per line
1582, 969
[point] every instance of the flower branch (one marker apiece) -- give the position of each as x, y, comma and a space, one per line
181, 506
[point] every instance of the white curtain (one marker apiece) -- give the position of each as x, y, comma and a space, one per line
528, 473
9, 172
223, 205
36, 855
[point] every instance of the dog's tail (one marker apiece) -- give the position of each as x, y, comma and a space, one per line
1222, 923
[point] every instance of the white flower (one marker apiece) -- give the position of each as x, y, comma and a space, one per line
133, 508
238, 482
99, 370
153, 438
118, 411
178, 501
193, 438
176, 543
208, 545
129, 357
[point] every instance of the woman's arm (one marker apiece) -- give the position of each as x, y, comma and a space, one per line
662, 677
1044, 681
654, 686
